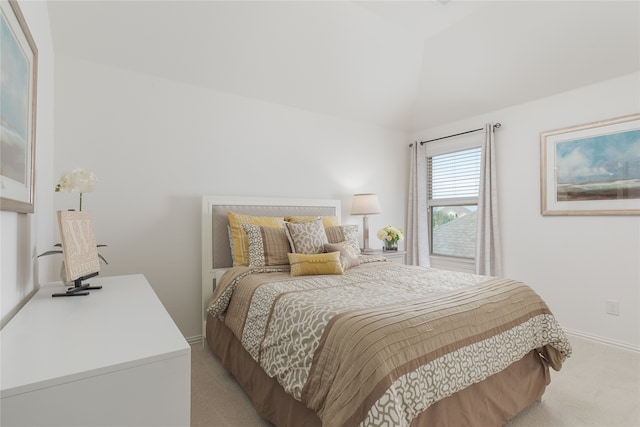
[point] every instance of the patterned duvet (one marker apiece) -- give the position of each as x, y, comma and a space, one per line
383, 342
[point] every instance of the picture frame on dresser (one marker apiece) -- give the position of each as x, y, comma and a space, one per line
19, 69
80, 251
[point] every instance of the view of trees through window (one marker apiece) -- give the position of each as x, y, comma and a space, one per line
453, 231
453, 182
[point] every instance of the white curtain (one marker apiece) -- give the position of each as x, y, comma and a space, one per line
488, 248
417, 240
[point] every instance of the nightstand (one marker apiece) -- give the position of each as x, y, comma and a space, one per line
399, 257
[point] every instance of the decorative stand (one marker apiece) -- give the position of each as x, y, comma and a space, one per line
78, 289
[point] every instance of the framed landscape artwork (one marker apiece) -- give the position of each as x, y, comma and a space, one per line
18, 76
592, 169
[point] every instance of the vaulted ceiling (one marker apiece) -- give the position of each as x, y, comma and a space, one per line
405, 65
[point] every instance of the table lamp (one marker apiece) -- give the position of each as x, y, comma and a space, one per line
365, 204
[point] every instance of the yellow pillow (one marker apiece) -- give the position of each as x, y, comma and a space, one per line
327, 221
239, 240
313, 264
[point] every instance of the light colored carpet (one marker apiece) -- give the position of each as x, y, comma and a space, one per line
599, 386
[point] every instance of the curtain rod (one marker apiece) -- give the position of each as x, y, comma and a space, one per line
496, 126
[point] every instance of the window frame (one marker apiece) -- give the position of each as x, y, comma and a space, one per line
436, 148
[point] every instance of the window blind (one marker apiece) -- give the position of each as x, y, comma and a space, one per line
454, 175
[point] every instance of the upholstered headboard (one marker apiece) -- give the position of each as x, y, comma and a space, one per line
216, 250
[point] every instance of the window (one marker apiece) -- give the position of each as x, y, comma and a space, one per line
452, 198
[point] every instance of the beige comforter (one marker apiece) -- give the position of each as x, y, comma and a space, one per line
381, 343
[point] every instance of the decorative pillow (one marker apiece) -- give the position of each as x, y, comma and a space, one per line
267, 245
327, 221
344, 233
348, 257
239, 242
230, 239
313, 264
306, 237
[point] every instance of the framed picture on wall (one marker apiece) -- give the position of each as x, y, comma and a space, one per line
18, 77
592, 169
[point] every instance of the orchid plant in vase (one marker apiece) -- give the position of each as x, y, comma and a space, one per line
81, 181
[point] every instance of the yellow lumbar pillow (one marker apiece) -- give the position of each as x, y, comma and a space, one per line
314, 264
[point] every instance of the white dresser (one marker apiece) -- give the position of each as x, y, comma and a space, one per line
111, 358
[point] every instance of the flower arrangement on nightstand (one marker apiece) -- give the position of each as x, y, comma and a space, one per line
390, 237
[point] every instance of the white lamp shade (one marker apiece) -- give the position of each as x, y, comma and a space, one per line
365, 204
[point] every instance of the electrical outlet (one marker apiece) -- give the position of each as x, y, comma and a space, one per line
613, 307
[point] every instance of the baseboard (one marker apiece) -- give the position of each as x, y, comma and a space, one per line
602, 340
194, 340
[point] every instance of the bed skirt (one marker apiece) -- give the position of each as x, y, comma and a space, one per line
493, 401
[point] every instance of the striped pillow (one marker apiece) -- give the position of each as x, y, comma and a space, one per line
327, 221
267, 245
239, 242
344, 233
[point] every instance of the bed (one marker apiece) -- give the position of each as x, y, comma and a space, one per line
327, 337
